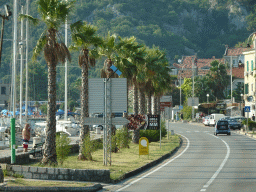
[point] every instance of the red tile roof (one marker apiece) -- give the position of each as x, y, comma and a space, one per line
236, 51
238, 72
200, 63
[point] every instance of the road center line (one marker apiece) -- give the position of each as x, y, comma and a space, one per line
222, 164
135, 181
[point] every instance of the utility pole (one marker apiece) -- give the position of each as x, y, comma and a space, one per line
21, 65
66, 73
26, 93
14, 55
193, 112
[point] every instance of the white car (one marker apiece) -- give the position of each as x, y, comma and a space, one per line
206, 121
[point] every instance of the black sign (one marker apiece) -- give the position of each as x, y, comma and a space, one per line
153, 122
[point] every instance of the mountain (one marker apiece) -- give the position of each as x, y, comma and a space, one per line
180, 27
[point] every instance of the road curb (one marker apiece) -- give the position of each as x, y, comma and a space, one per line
149, 165
92, 188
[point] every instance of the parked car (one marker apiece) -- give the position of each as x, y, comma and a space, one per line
238, 118
234, 124
222, 127
206, 120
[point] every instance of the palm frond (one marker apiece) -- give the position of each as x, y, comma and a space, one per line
31, 19
39, 46
77, 26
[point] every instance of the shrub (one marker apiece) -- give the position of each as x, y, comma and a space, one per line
151, 135
123, 138
163, 129
90, 146
62, 147
251, 124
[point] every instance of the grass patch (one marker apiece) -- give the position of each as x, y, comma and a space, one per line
25, 182
125, 160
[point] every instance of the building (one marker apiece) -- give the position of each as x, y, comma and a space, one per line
249, 77
201, 67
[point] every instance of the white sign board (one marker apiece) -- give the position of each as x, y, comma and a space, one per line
118, 95
167, 98
192, 102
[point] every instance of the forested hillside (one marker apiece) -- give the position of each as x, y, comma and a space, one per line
181, 27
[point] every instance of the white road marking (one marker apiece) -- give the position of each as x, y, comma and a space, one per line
222, 164
135, 181
203, 190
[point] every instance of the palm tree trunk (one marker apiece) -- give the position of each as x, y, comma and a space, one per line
50, 156
135, 99
154, 105
149, 111
158, 105
142, 110
84, 110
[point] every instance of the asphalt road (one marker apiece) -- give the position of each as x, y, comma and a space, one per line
203, 163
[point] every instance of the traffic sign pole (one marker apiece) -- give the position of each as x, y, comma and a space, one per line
247, 109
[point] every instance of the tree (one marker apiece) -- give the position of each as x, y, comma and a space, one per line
84, 38
108, 49
218, 80
202, 88
53, 13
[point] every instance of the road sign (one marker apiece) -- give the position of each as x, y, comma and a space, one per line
118, 95
165, 104
247, 109
143, 146
193, 102
153, 122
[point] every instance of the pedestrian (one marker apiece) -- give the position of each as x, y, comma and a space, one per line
253, 117
26, 137
181, 116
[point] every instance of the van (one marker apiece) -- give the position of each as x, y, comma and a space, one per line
214, 118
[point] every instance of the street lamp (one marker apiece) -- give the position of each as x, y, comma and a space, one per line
207, 95
4, 17
241, 103
180, 87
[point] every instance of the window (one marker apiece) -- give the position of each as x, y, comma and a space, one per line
3, 90
251, 65
247, 65
246, 88
234, 63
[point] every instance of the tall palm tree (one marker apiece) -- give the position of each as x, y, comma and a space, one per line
53, 13
84, 38
162, 81
108, 49
128, 53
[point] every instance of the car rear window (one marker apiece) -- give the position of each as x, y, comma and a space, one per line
222, 123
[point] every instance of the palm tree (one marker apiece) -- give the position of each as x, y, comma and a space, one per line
84, 38
53, 13
128, 53
108, 49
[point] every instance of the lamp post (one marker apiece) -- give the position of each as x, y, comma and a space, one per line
241, 103
207, 95
180, 87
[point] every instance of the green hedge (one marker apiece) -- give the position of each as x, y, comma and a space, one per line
251, 124
154, 135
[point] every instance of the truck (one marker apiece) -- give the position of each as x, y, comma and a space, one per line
214, 118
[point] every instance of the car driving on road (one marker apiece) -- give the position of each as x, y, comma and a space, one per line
222, 127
